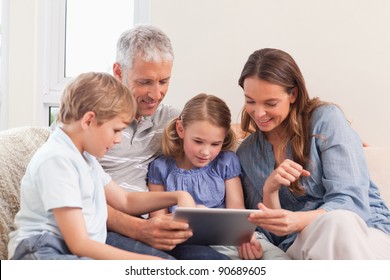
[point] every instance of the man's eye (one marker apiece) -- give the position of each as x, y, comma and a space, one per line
145, 82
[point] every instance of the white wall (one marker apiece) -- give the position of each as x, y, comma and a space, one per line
342, 48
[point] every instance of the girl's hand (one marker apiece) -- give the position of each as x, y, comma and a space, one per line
286, 173
251, 250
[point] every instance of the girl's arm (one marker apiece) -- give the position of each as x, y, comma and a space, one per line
71, 223
235, 199
157, 188
138, 203
234, 193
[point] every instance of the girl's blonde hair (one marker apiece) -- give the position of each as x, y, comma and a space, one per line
100, 93
202, 107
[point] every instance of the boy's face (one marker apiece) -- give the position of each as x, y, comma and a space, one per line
102, 137
148, 81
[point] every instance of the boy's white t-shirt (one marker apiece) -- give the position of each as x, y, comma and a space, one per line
58, 176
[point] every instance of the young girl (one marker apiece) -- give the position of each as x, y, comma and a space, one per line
63, 211
197, 160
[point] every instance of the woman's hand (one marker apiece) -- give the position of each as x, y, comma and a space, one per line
283, 222
251, 250
286, 173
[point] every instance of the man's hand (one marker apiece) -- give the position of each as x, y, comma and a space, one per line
163, 233
160, 232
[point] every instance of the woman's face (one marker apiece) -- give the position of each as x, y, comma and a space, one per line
267, 104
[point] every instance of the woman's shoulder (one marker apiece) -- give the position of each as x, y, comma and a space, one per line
248, 144
327, 112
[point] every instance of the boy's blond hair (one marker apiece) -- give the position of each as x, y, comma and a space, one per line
100, 93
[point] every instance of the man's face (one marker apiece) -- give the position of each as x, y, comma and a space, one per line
148, 81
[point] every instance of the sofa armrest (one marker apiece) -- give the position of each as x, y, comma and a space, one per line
17, 146
378, 161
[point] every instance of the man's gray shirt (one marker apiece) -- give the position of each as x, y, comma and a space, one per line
127, 162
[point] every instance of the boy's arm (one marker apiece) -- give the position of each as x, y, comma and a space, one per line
72, 226
138, 203
157, 188
160, 232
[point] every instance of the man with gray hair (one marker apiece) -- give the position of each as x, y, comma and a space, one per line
144, 62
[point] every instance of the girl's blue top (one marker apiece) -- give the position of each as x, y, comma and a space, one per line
205, 184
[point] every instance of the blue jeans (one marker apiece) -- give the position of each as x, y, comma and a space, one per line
180, 252
43, 247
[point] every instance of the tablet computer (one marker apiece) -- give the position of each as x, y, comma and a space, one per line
217, 226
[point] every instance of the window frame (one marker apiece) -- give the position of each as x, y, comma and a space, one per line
3, 64
53, 49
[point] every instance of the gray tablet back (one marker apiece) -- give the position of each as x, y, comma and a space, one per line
216, 226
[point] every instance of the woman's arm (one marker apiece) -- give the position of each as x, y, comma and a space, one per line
286, 173
157, 188
283, 222
72, 226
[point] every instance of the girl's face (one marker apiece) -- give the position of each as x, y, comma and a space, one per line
267, 104
202, 142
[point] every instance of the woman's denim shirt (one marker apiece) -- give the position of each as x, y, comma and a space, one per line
339, 176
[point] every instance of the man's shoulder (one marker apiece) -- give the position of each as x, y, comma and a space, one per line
165, 113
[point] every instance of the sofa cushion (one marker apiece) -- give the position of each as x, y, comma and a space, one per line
378, 161
17, 145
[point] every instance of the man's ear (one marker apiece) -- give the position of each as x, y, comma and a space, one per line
180, 128
117, 71
87, 119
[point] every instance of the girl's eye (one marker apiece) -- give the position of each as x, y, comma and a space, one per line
272, 104
250, 102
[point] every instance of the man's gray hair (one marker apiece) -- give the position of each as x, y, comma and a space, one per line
146, 42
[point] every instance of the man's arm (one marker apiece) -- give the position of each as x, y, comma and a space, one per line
159, 232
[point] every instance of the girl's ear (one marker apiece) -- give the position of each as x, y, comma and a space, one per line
87, 119
180, 128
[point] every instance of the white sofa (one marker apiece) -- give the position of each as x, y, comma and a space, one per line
19, 144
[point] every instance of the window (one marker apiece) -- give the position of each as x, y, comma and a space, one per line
82, 38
